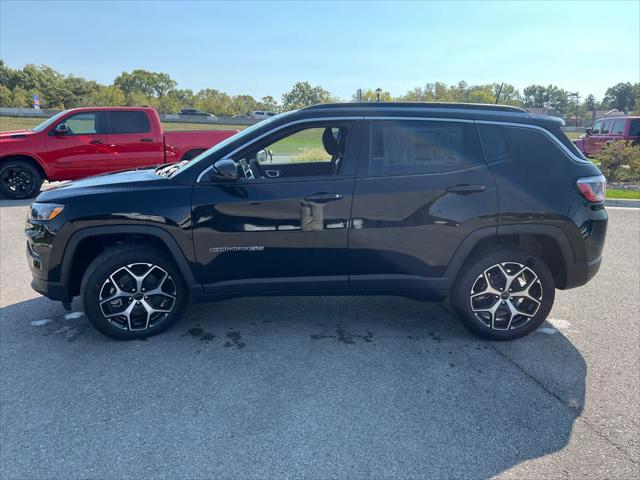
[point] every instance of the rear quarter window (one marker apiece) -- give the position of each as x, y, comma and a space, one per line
129, 122
520, 144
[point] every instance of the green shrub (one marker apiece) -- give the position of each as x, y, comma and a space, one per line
620, 161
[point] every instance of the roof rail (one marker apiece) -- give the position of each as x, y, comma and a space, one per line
429, 105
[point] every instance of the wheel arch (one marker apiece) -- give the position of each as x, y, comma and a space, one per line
546, 241
192, 153
31, 159
86, 244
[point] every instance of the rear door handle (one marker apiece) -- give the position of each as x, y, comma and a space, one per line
96, 142
323, 197
146, 140
466, 189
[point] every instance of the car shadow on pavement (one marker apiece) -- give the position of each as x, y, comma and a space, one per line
345, 387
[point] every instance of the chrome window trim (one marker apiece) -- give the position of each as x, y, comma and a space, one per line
273, 130
562, 146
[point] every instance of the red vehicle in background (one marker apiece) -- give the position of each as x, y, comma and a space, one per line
607, 130
88, 141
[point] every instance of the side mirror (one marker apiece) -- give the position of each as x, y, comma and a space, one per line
62, 129
224, 169
588, 131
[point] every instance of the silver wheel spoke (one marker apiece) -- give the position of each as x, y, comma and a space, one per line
517, 307
141, 310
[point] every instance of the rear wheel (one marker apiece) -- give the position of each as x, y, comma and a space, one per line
19, 179
133, 292
504, 295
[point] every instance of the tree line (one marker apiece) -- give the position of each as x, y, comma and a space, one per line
159, 90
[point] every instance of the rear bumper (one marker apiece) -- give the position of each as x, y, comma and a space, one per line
580, 273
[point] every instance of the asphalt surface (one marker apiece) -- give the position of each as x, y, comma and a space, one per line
346, 388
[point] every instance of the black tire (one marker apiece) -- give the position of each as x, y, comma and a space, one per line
507, 322
130, 324
192, 154
19, 179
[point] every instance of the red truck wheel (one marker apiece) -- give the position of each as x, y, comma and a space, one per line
19, 179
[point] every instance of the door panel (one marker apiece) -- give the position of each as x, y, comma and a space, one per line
287, 233
83, 151
262, 236
133, 142
405, 229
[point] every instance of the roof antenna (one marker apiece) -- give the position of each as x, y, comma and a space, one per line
499, 92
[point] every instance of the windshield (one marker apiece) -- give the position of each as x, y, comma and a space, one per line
182, 166
49, 121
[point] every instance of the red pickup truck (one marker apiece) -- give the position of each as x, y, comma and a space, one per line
87, 141
607, 130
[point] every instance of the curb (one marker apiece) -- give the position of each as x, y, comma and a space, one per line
612, 202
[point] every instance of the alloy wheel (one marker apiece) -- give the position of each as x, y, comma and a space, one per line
506, 296
17, 180
137, 296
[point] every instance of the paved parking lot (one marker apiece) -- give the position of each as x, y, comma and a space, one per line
323, 387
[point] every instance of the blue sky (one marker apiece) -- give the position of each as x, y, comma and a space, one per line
262, 48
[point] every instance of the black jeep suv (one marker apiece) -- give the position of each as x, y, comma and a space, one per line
487, 205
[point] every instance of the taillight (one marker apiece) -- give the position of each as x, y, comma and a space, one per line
593, 188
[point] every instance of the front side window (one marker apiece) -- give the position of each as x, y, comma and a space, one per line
606, 127
595, 130
129, 122
618, 127
304, 152
422, 147
82, 124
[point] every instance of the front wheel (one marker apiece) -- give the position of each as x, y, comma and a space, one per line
19, 179
133, 292
504, 294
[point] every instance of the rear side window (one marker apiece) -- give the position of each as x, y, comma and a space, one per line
129, 122
422, 147
634, 128
523, 145
618, 127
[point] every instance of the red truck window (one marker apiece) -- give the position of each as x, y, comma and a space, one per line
618, 127
81, 124
596, 127
606, 127
634, 128
129, 122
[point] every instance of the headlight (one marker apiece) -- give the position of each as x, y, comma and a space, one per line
45, 211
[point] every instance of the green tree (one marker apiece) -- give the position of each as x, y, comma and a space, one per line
591, 105
303, 94
6, 97
621, 96
370, 95
269, 104
20, 98
150, 84
535, 96
106, 97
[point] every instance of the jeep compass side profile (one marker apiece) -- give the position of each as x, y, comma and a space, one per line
487, 205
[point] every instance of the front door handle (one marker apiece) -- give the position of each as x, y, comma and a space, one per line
146, 140
323, 197
96, 142
466, 189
